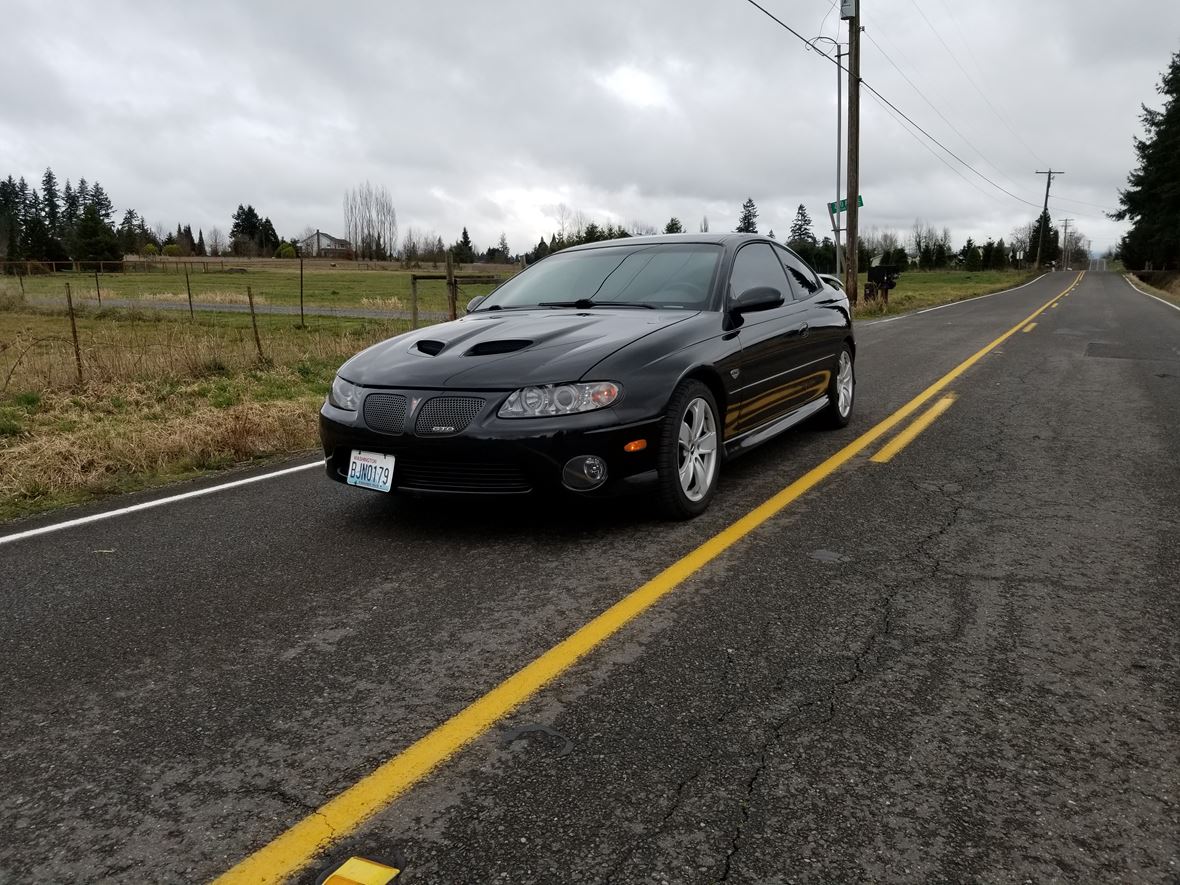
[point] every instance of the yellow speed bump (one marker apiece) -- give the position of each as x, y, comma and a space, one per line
359, 871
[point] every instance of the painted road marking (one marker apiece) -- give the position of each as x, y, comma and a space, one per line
361, 871
1149, 295
148, 505
1029, 327
908, 435
294, 849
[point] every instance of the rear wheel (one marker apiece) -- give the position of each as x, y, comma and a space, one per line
841, 392
689, 458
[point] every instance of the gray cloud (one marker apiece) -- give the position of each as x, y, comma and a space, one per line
489, 115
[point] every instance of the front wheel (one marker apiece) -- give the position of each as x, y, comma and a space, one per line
841, 392
689, 458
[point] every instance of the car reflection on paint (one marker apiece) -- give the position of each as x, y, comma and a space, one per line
640, 363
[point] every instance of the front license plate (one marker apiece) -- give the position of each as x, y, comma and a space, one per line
371, 470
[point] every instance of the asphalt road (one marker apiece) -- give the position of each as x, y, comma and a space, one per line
962, 664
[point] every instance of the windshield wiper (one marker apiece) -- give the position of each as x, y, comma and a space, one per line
587, 303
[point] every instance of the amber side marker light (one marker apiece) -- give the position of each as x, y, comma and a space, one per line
359, 871
636, 445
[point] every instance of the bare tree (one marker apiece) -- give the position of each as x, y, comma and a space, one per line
705, 224
642, 229
563, 219
216, 241
370, 222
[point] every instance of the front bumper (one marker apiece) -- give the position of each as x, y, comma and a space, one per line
492, 455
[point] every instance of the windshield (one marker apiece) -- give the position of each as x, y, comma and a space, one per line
675, 276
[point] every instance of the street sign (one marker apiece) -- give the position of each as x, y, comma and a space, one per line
860, 201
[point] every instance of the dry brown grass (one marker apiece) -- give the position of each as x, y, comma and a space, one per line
81, 451
163, 398
382, 303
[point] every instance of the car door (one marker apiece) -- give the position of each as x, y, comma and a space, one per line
825, 326
772, 341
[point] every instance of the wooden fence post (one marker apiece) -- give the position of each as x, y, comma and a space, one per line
254, 323
413, 302
97, 290
188, 288
20, 276
74, 332
452, 288
301, 322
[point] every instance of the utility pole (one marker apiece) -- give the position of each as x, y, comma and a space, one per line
850, 10
1041, 239
1065, 261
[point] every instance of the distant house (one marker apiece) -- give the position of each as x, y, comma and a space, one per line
322, 245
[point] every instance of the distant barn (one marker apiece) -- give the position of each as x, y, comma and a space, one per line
322, 245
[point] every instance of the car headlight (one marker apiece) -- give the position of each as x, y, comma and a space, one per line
560, 399
344, 395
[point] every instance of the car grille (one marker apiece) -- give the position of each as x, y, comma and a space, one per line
472, 477
446, 415
386, 412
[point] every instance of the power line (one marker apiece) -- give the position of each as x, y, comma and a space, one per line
971, 80
934, 108
898, 110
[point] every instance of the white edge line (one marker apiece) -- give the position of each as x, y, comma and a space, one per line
953, 303
1149, 295
148, 505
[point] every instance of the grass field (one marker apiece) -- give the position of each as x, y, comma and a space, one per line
163, 398
918, 289
271, 282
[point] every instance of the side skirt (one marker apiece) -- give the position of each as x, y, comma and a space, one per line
759, 435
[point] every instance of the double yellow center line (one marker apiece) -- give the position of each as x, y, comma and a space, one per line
294, 849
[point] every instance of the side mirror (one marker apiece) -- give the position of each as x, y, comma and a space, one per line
757, 298
475, 302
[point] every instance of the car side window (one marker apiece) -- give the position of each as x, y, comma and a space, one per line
804, 278
755, 265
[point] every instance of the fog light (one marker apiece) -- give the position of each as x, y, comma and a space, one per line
584, 472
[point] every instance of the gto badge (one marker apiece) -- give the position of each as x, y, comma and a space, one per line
442, 429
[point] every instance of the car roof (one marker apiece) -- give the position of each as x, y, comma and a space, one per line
722, 239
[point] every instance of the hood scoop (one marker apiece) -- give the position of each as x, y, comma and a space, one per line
429, 347
488, 348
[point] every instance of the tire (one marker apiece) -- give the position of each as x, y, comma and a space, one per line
839, 409
689, 458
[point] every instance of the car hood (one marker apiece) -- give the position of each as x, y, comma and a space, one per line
505, 350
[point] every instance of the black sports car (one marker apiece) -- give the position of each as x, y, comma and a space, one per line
604, 367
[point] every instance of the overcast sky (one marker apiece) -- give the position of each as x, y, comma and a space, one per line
490, 115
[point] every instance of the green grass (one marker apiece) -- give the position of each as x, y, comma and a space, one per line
328, 287
916, 290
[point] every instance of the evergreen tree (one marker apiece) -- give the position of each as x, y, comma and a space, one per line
1000, 256
101, 202
70, 207
801, 229
673, 226
51, 201
95, 240
463, 250
201, 242
771, 234
1151, 201
83, 193
970, 256
748, 223
1048, 245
